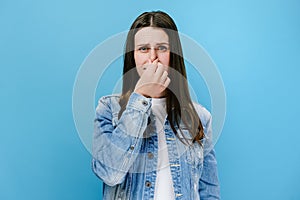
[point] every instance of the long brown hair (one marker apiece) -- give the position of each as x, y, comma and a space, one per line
178, 98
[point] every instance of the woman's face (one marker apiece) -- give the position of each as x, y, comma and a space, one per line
151, 43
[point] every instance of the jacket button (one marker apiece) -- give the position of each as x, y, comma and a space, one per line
150, 155
131, 147
145, 103
148, 184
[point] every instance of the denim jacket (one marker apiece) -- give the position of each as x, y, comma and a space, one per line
125, 153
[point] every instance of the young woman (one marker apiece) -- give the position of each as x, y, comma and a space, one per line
152, 141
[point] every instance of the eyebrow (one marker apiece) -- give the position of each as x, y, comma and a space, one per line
156, 44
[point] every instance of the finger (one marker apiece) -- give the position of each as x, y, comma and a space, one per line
164, 76
153, 65
167, 82
144, 66
147, 65
160, 69
155, 61
164, 85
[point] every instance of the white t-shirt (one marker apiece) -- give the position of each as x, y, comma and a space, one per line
164, 189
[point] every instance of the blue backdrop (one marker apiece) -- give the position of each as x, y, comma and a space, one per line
255, 45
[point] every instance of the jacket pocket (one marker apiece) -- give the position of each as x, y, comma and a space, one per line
194, 150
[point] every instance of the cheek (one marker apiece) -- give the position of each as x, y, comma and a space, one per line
164, 58
140, 59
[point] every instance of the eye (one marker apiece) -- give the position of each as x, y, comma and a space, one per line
143, 49
162, 48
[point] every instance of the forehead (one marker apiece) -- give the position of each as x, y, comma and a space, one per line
151, 35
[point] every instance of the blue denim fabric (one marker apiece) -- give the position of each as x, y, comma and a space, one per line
125, 153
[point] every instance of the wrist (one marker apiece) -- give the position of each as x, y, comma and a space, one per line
141, 93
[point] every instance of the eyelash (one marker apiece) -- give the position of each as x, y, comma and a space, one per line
159, 48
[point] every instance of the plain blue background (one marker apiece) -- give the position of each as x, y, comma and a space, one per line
255, 45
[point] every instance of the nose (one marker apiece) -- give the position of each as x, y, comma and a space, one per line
153, 54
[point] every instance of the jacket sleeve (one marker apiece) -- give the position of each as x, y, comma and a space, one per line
209, 188
116, 148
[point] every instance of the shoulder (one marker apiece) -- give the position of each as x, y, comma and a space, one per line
110, 101
203, 113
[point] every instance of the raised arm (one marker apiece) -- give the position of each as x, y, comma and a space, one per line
116, 148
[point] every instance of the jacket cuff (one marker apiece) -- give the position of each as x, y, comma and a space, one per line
139, 102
